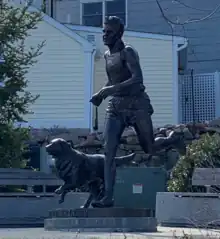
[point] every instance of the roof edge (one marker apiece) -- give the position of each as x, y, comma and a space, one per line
64, 29
128, 33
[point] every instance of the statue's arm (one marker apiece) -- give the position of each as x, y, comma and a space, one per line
131, 58
108, 83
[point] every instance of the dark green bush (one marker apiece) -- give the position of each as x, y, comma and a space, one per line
202, 153
12, 146
17, 23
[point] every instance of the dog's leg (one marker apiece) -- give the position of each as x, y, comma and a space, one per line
97, 190
63, 190
88, 201
94, 189
65, 186
59, 190
62, 196
98, 197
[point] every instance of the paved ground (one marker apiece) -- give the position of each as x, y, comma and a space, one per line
163, 233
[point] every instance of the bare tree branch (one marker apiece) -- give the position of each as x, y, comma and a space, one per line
188, 21
188, 6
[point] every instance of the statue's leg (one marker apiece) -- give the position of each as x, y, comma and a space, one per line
114, 128
173, 140
144, 128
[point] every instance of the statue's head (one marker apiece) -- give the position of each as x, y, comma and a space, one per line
113, 30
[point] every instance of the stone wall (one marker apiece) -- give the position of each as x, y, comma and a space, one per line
167, 157
74, 135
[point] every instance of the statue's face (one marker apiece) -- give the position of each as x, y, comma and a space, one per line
110, 35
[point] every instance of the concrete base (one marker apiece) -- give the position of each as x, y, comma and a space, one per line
104, 220
144, 224
134, 224
188, 209
101, 212
32, 210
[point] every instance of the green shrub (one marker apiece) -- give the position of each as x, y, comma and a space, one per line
17, 23
12, 146
202, 153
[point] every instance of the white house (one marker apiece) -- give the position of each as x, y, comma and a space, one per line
62, 77
72, 68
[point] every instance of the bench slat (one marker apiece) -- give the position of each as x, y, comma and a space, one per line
30, 182
206, 176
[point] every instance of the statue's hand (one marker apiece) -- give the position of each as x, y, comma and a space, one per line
107, 91
96, 99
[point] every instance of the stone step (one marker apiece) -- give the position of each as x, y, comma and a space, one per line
102, 213
103, 224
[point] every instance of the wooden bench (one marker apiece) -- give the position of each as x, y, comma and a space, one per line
29, 178
200, 209
206, 177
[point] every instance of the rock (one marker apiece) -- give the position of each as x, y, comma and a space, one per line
213, 129
196, 128
132, 139
169, 126
168, 132
156, 130
155, 161
130, 147
178, 128
187, 134
55, 132
162, 131
129, 132
93, 142
214, 123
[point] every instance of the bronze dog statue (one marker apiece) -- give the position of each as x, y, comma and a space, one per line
78, 169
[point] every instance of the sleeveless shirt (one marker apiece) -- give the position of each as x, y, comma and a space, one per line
118, 72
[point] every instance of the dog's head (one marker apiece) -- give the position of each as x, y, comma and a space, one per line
58, 147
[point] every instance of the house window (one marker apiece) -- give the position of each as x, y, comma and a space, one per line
116, 8
93, 12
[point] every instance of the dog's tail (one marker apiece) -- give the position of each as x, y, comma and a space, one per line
124, 160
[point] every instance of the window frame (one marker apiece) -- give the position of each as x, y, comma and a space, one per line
103, 10
87, 17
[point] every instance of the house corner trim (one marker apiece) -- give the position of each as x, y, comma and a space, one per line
175, 85
89, 81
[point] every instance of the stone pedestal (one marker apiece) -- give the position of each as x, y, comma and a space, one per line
105, 220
